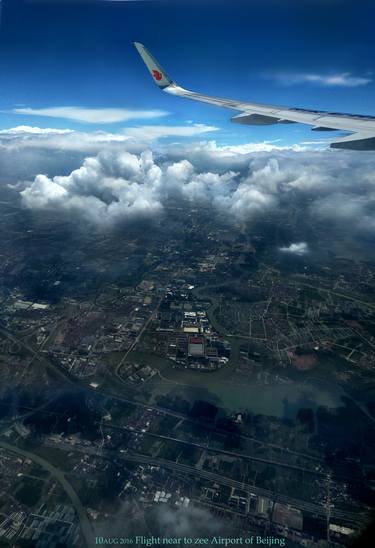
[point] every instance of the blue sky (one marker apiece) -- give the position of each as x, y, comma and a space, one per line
317, 54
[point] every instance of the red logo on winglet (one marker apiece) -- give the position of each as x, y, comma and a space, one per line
157, 75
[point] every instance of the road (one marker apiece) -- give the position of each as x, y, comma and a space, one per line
136, 403
206, 447
85, 525
297, 503
137, 339
305, 506
298, 281
36, 354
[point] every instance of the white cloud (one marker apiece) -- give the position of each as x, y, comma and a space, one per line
316, 143
343, 79
103, 189
24, 130
300, 248
110, 176
93, 141
249, 148
117, 183
23, 137
92, 115
150, 133
191, 522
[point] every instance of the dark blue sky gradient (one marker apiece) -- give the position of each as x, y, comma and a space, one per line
80, 53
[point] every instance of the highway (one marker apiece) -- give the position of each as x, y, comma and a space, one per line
302, 505
297, 503
208, 426
346, 296
206, 447
137, 339
85, 525
36, 354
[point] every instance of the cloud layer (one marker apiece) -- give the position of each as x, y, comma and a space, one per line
302, 196
243, 183
342, 79
93, 141
92, 115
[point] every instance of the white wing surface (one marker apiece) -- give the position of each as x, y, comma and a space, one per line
361, 128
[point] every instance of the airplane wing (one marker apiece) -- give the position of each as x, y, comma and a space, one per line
361, 128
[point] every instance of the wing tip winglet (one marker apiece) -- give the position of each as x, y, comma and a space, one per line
160, 77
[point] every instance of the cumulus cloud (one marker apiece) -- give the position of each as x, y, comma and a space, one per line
92, 115
300, 248
120, 184
105, 188
343, 79
117, 177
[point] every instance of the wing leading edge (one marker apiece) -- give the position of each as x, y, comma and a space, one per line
362, 128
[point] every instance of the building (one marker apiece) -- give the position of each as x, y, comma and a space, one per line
196, 346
